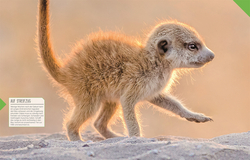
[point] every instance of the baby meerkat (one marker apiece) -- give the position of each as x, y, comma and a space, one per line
111, 69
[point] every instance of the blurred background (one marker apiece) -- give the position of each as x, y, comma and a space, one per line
220, 90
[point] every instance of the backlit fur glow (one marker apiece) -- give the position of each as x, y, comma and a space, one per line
109, 70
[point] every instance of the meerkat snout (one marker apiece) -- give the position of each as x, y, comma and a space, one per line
203, 57
209, 55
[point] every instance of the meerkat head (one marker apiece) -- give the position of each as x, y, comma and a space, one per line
179, 44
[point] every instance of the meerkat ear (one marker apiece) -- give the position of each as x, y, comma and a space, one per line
163, 46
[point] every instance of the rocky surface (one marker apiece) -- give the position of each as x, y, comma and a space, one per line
56, 146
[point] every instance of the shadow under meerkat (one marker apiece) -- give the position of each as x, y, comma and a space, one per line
110, 69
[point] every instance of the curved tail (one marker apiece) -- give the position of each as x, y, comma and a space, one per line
46, 52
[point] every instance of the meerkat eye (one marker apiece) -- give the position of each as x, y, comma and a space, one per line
163, 47
192, 47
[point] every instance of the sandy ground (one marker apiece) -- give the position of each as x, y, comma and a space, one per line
56, 146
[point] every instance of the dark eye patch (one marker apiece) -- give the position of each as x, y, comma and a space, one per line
192, 46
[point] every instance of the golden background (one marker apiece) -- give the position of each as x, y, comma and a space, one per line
220, 90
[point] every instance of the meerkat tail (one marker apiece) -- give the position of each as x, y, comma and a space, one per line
46, 52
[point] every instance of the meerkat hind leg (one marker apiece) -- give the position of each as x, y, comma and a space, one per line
80, 115
106, 113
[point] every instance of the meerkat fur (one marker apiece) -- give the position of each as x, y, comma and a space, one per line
111, 69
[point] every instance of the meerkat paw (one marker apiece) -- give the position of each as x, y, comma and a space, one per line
199, 117
106, 133
73, 136
110, 134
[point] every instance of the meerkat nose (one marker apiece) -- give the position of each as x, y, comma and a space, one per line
211, 56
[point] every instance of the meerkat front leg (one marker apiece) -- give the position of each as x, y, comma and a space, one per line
170, 103
130, 118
